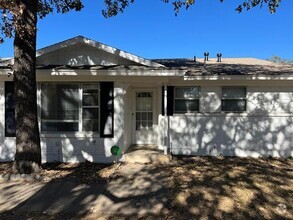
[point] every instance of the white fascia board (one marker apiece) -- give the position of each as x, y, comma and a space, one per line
100, 46
237, 77
60, 72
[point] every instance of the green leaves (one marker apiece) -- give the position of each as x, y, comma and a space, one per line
10, 9
248, 4
61, 6
113, 7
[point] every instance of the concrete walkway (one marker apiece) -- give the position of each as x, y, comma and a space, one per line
136, 190
139, 190
146, 154
56, 197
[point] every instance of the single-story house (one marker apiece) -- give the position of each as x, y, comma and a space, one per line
92, 96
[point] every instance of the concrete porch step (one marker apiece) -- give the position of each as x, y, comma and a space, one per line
145, 154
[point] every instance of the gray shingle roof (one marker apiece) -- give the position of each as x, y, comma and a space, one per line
228, 66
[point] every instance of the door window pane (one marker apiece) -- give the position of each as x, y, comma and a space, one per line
144, 110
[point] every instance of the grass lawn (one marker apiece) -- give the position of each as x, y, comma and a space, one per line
236, 188
197, 188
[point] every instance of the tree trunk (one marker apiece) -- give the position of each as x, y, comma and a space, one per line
28, 150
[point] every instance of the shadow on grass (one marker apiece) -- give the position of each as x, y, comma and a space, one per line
67, 191
234, 188
203, 187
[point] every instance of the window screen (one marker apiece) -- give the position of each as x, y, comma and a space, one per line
59, 107
234, 99
186, 99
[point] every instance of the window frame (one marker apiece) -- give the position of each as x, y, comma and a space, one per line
91, 107
186, 99
80, 108
234, 99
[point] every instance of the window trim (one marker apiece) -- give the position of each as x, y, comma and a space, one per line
234, 87
192, 99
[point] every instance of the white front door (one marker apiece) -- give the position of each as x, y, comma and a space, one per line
143, 117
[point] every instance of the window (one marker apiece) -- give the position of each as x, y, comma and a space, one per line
69, 107
186, 99
9, 110
90, 107
234, 99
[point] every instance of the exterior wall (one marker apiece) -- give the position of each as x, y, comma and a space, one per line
266, 128
72, 147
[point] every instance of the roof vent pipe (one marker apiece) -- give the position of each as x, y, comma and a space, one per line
219, 55
206, 56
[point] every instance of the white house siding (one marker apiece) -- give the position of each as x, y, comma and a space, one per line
211, 99
265, 129
76, 147
127, 117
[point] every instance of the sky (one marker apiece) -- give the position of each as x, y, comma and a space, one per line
150, 29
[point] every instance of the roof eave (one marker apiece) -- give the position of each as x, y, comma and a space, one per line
98, 45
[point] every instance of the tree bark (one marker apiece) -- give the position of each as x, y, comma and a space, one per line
28, 150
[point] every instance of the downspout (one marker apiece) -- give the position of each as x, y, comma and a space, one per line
167, 149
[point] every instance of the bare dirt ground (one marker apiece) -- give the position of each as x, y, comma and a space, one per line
74, 172
198, 188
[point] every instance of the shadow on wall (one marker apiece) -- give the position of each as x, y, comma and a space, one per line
262, 132
83, 55
87, 147
72, 147
7, 144
7, 147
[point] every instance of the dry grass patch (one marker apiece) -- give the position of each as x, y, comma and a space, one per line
75, 172
237, 188
197, 188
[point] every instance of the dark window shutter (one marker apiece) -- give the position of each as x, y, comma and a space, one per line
163, 100
9, 110
170, 100
107, 109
